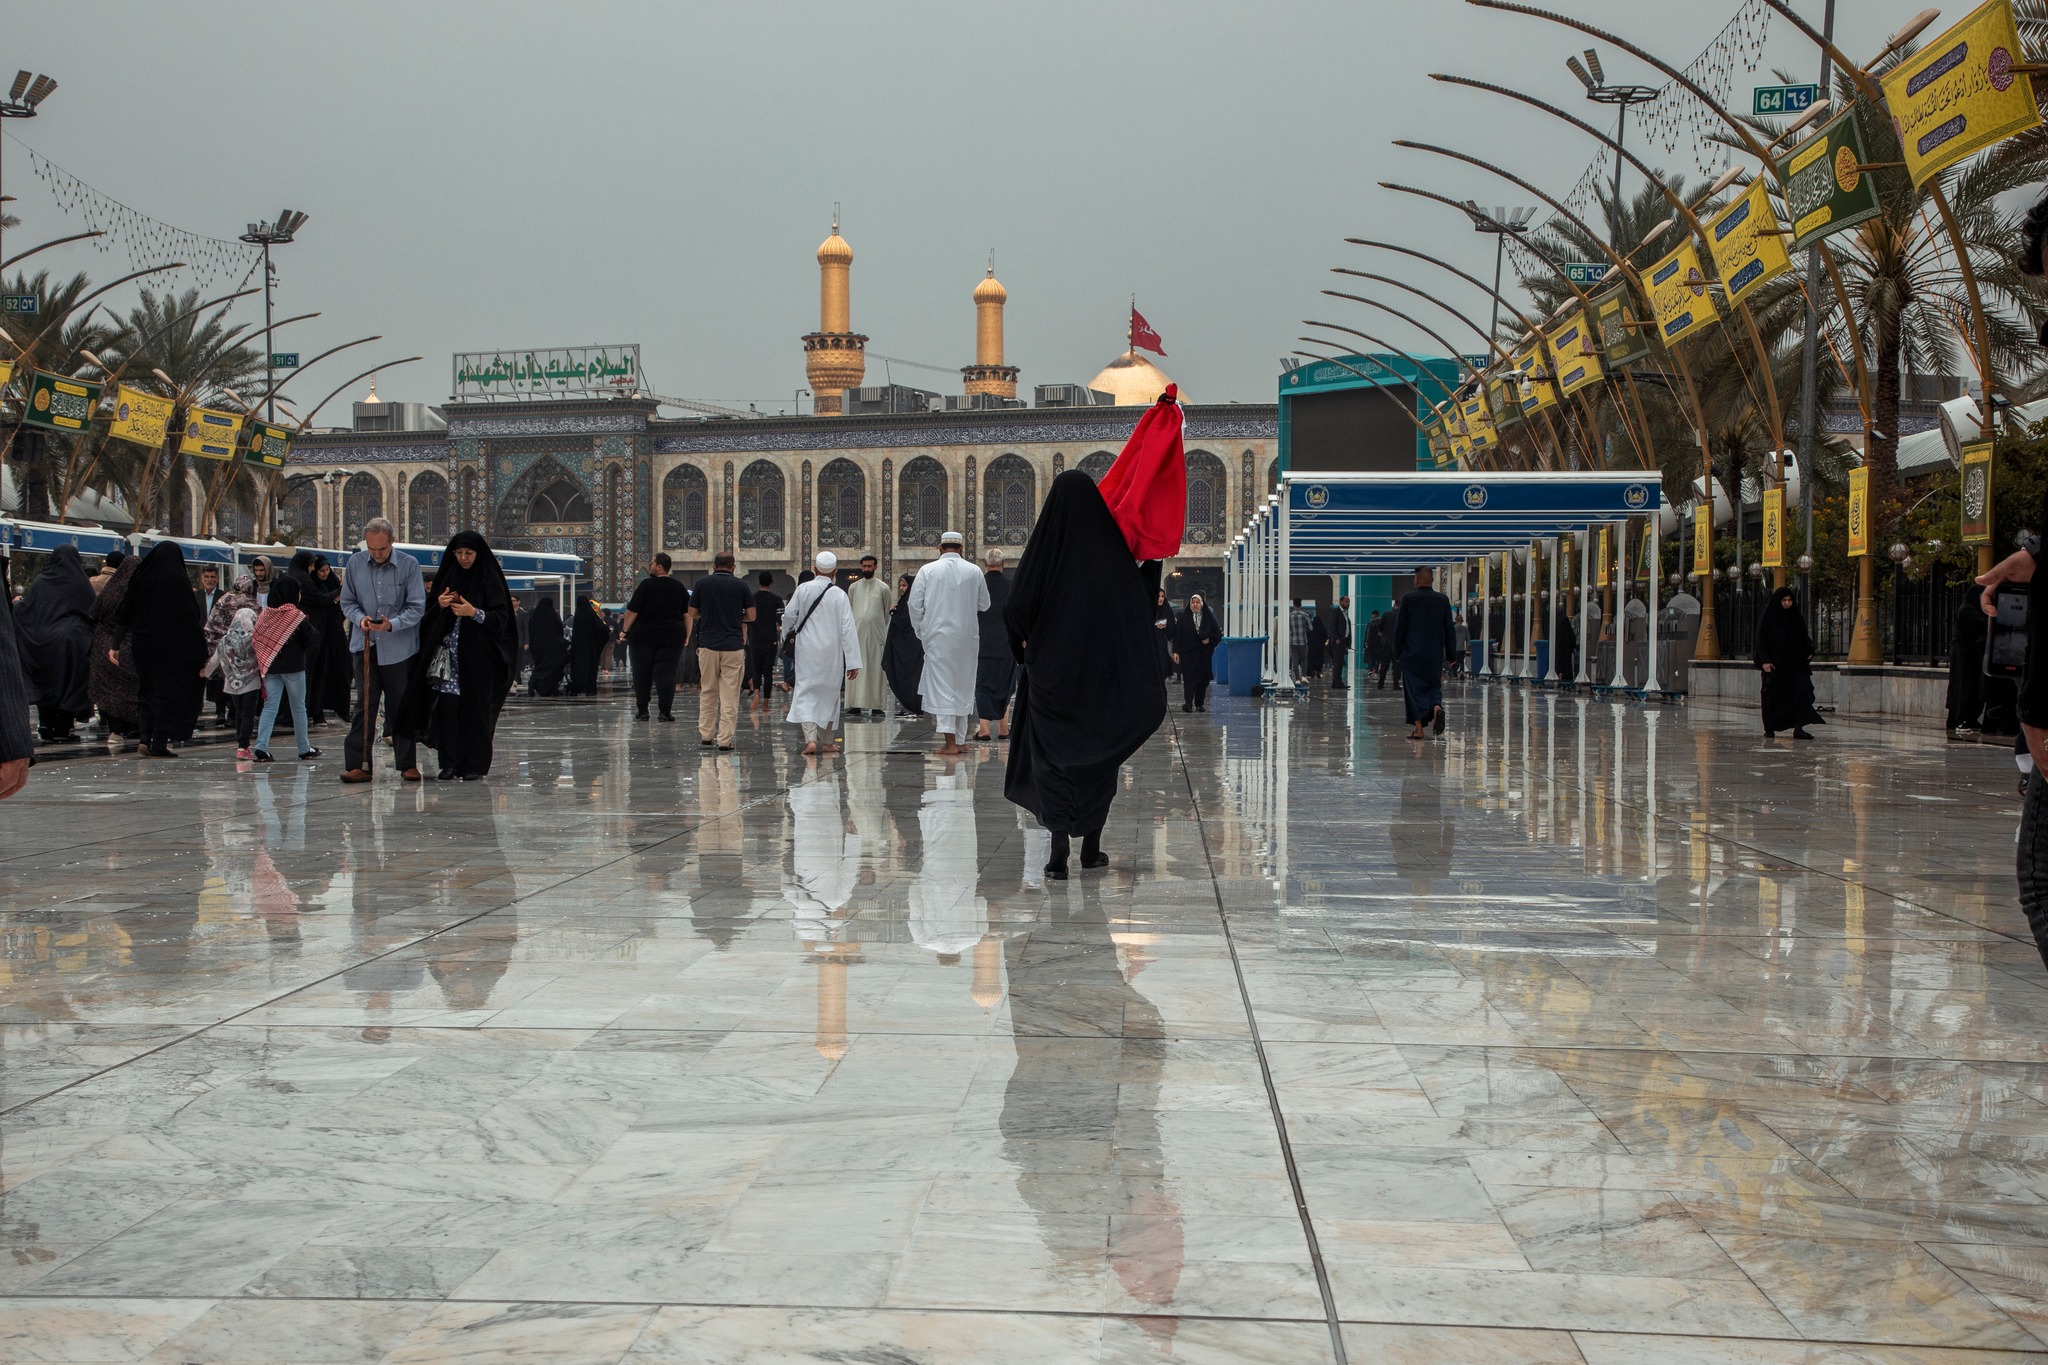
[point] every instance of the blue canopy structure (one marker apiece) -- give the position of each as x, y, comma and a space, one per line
1397, 522
42, 537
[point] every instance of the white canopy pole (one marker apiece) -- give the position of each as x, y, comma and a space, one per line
1620, 603
1528, 671
1286, 567
1551, 605
1651, 682
1588, 644
1486, 616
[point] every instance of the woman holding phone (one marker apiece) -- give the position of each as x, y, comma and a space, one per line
463, 670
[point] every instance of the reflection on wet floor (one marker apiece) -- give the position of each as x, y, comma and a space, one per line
1591, 1032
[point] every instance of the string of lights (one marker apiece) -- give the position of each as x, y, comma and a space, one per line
144, 240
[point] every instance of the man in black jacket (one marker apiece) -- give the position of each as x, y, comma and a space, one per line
654, 631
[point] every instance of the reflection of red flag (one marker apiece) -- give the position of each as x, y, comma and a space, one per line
1142, 335
1147, 487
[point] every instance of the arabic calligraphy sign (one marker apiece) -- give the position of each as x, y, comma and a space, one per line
561, 372
1746, 245
1678, 295
1826, 188
1959, 93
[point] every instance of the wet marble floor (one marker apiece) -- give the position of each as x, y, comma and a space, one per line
1589, 1033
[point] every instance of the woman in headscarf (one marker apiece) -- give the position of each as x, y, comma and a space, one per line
588, 636
1195, 636
53, 627
550, 650
463, 671
285, 641
1090, 692
1162, 633
113, 666
241, 677
1784, 652
160, 616
1564, 640
327, 670
903, 652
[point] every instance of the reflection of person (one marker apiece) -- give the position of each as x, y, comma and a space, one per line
161, 616
1784, 653
946, 603
824, 858
1080, 621
383, 598
1423, 639
869, 597
463, 669
1195, 636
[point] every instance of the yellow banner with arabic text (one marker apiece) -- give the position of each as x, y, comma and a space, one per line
1678, 295
1959, 93
1575, 349
143, 418
1774, 528
1748, 248
1537, 390
211, 434
1859, 513
1703, 539
1604, 562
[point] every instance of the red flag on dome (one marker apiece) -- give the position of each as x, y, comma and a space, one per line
1147, 487
1142, 335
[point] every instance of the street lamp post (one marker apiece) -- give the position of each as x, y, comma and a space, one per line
1622, 96
268, 235
28, 91
1503, 223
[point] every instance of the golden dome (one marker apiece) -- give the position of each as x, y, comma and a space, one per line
834, 250
991, 289
1133, 380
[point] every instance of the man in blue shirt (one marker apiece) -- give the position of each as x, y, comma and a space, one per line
383, 597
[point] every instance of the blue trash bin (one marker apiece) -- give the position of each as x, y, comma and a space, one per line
1243, 664
1542, 660
1475, 661
1219, 664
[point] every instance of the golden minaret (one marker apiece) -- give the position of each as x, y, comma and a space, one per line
835, 356
988, 373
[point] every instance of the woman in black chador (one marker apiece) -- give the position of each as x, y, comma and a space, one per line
1195, 635
550, 650
468, 642
1162, 632
53, 626
903, 654
160, 617
588, 635
1080, 623
1784, 651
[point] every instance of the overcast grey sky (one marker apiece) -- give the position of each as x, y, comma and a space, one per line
503, 173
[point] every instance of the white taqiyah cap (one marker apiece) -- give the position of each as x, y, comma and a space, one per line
952, 538
825, 562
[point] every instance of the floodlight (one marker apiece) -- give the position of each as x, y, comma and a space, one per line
21, 80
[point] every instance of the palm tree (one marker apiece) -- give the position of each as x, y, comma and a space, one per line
168, 348
48, 339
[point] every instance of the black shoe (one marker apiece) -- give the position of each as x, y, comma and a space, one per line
707, 743
639, 715
1187, 706
1055, 872
472, 777
1203, 707
665, 716
309, 755
445, 775
1089, 861
1800, 733
261, 756
1770, 734
162, 751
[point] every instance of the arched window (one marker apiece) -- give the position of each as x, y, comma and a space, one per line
233, 524
426, 509
471, 506
563, 500
1273, 475
921, 503
1009, 501
685, 509
298, 510
362, 500
1208, 512
1096, 465
842, 506
761, 506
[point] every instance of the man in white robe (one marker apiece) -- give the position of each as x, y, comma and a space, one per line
824, 860
947, 917
827, 653
871, 601
946, 602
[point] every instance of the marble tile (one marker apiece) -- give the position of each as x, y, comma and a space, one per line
498, 1334
1395, 1344
92, 1329
244, 1332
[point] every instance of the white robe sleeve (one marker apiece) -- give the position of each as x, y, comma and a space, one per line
849, 629
920, 593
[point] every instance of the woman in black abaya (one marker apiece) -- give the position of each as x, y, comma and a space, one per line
1089, 694
549, 649
588, 636
903, 653
1784, 653
463, 671
1162, 633
113, 666
53, 626
1195, 636
160, 617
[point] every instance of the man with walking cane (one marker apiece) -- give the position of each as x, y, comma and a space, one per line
383, 597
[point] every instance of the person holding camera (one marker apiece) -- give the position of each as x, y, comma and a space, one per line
383, 598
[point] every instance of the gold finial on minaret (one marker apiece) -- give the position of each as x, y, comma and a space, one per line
835, 356
988, 374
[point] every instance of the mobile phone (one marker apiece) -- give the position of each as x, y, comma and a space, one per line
2005, 644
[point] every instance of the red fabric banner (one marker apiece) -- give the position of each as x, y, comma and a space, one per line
1147, 487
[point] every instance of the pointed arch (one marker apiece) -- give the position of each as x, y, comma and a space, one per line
426, 510
362, 501
685, 509
1009, 501
543, 499
921, 503
763, 494
842, 506
1208, 511
1097, 464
